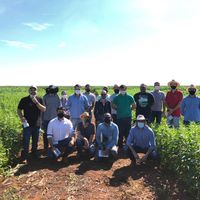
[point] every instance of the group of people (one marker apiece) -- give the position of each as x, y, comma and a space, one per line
101, 125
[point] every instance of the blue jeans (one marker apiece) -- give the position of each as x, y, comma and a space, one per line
27, 134
173, 122
80, 144
155, 115
45, 140
152, 156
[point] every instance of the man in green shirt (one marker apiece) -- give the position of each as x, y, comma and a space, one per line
124, 104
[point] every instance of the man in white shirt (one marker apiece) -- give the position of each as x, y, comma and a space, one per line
60, 135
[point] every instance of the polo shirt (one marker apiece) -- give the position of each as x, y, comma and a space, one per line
173, 99
31, 112
59, 129
123, 104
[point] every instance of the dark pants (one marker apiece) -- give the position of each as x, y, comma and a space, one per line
152, 156
27, 134
155, 115
124, 125
114, 117
80, 144
188, 122
63, 144
45, 127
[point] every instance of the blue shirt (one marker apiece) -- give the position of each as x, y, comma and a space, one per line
141, 137
77, 105
107, 135
190, 108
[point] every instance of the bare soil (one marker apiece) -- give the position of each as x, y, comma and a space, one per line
43, 179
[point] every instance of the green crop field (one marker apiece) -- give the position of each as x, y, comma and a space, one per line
179, 149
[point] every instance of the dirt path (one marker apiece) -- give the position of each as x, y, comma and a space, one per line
88, 179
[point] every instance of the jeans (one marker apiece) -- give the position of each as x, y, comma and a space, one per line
174, 122
45, 127
152, 156
155, 115
80, 144
124, 125
29, 132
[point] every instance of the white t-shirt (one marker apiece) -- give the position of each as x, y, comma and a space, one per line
59, 129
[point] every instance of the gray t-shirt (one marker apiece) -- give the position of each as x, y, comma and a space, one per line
91, 97
159, 98
52, 102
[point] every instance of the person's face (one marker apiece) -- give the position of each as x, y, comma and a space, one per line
32, 91
77, 90
192, 91
103, 95
143, 88
107, 119
61, 113
87, 88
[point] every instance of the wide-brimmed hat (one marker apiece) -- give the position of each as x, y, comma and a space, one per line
173, 82
140, 118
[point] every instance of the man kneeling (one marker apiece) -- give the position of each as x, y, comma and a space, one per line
107, 138
141, 139
60, 135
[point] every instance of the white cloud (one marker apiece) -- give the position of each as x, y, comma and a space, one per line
62, 45
37, 26
18, 44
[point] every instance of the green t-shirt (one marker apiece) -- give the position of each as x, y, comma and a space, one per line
123, 104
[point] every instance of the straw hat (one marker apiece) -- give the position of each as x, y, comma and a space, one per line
84, 115
173, 82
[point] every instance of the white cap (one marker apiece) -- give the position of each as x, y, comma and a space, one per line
33, 86
140, 118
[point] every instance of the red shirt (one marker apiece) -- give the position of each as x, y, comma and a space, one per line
172, 100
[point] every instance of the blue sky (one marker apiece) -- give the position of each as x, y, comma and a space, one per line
101, 42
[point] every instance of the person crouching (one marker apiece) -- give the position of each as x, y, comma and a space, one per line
61, 135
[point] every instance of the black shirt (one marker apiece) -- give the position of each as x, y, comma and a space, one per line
86, 131
100, 109
144, 101
30, 109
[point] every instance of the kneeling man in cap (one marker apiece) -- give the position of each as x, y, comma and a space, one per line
141, 139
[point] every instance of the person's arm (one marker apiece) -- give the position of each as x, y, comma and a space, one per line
38, 104
21, 116
115, 137
164, 103
98, 136
50, 134
151, 148
183, 107
92, 137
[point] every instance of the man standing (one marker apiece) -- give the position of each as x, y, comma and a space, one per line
52, 102
124, 104
144, 101
173, 101
90, 96
102, 106
141, 139
113, 111
190, 106
158, 108
29, 112
60, 134
107, 137
77, 104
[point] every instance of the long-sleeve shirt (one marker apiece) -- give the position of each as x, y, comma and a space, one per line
141, 137
107, 135
77, 105
190, 108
